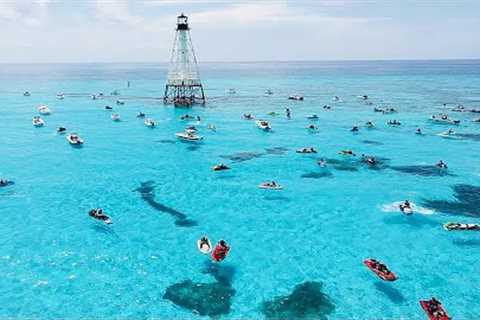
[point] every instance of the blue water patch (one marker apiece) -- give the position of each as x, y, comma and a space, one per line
467, 201
306, 301
423, 170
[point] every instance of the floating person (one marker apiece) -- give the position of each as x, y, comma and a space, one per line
419, 131
220, 252
336, 98
434, 309
61, 130
140, 115
248, 116
450, 226
355, 129
442, 165
312, 128
288, 113
270, 185
108, 108
204, 245
347, 152
327, 107
370, 125
198, 118
406, 207
220, 167
380, 269
370, 160
100, 215
120, 102
186, 117
26, 94
307, 150
322, 163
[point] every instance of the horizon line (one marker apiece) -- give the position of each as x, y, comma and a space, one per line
249, 61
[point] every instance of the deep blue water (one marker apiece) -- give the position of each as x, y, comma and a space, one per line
309, 239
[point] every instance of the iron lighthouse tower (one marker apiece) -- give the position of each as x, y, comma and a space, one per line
183, 87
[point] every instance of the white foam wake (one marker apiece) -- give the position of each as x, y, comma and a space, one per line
394, 207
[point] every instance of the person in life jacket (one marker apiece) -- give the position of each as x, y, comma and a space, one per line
221, 250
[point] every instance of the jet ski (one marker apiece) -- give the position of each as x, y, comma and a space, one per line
26, 94
108, 108
61, 130
406, 208
380, 270
476, 120
248, 116
370, 124
120, 102
307, 150
434, 309
347, 152
449, 134
220, 167
295, 97
204, 245
312, 117
44, 110
220, 252
99, 215
270, 186
38, 122
149, 123
140, 115
115, 117
312, 128
188, 136
74, 139
451, 226
264, 125
5, 183
60, 96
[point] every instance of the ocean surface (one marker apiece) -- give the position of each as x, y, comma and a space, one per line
295, 253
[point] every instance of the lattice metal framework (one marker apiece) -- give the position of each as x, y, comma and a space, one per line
183, 87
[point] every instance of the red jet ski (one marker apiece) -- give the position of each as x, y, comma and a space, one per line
433, 308
220, 252
380, 270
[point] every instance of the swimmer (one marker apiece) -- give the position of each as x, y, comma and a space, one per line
442, 165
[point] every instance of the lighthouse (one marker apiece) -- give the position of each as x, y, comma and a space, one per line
183, 87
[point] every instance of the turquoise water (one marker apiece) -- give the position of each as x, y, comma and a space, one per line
162, 195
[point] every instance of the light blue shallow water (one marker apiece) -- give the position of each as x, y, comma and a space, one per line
55, 262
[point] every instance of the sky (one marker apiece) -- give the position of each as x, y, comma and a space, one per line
44, 31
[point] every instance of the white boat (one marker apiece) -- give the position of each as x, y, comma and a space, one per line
115, 117
38, 122
263, 124
187, 136
270, 186
74, 139
295, 97
149, 123
44, 110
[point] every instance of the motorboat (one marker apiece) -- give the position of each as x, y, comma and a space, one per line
149, 123
44, 110
188, 136
444, 119
74, 139
263, 124
38, 122
115, 117
296, 97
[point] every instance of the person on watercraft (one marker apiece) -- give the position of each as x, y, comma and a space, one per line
141, 115
322, 163
444, 117
199, 119
98, 214
108, 108
4, 182
347, 152
61, 129
248, 116
220, 167
433, 306
312, 127
442, 165
369, 124
450, 131
369, 160
287, 111
220, 252
327, 107
405, 206
354, 129
418, 131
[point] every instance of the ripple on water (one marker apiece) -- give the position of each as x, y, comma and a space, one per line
307, 301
